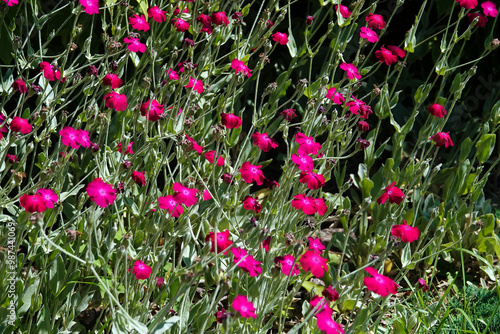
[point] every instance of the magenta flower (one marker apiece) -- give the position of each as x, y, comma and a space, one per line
303, 161
220, 18
211, 155
393, 193
266, 243
135, 45
250, 173
71, 137
139, 22
326, 323
102, 193
264, 142
19, 124
315, 244
314, 181
11, 3
223, 241
304, 203
489, 8
423, 284
193, 145
330, 293
32, 203
172, 75
138, 178
467, 4
307, 145
20, 85
320, 304
206, 195
380, 284
230, 121
157, 14
196, 84
320, 204
246, 261
250, 203
244, 307
442, 139
128, 150
280, 37
112, 80
11, 158
310, 19
351, 71
344, 11
141, 270
397, 51
3, 128
313, 262
160, 281
288, 114
180, 25
91, 6
50, 72
406, 232
335, 96
368, 34
363, 126
169, 203
153, 109
184, 195
49, 197
437, 110
375, 21
481, 21
240, 67
384, 55
287, 264
116, 101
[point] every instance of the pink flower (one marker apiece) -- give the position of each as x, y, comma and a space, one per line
344, 11
380, 284
288, 114
358, 107
128, 150
112, 80
211, 155
220, 18
3, 128
489, 9
246, 261
139, 22
172, 75
250, 173
315, 244
312, 261
304, 203
230, 121
271, 184
287, 264
49, 197
269, 23
32, 203
423, 284
442, 139
11, 3
206, 195
481, 21
437, 110
314, 181
393, 193
73, 138
375, 21
244, 307
335, 96
280, 37
384, 55
363, 126
91, 6
326, 323
141, 270
153, 109
396, 51
330, 293
178, 10
180, 25
406, 232
194, 145
138, 178
115, 101
263, 141
20, 85
266, 243
50, 72
160, 281
19, 124
240, 67
310, 19
169, 203
135, 45
223, 241
197, 85
206, 21
102, 193
157, 14
467, 4
351, 71
304, 162
250, 203
12, 158
307, 145
369, 35
320, 204
320, 304
184, 195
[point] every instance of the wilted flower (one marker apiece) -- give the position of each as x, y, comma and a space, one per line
330, 293
20, 85
309, 19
